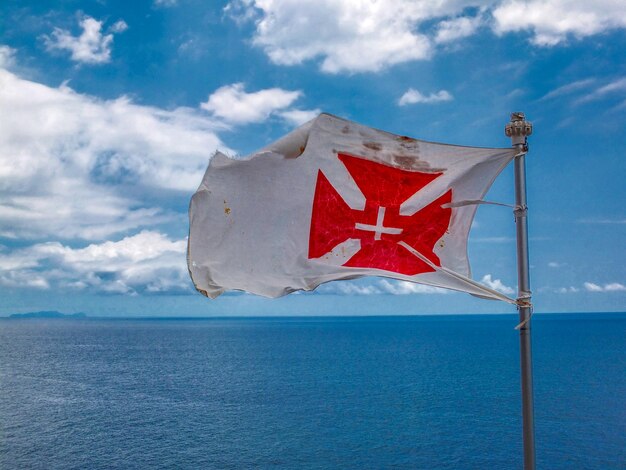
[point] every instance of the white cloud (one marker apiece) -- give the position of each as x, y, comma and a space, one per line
554, 264
165, 3
567, 290
591, 287
348, 288
457, 28
368, 35
23, 279
10, 261
69, 162
352, 36
569, 88
614, 287
297, 117
379, 287
406, 288
119, 27
602, 221
241, 11
412, 96
92, 46
552, 21
6, 56
232, 103
145, 262
496, 284
611, 287
616, 86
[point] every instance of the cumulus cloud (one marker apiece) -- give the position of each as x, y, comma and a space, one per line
76, 167
567, 290
591, 287
496, 284
6, 56
412, 96
297, 117
233, 104
552, 21
368, 36
348, 288
611, 287
396, 287
69, 162
119, 27
92, 46
145, 262
406, 288
165, 3
457, 28
347, 36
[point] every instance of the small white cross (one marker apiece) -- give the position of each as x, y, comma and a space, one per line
379, 228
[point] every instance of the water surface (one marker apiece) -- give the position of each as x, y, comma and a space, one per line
401, 392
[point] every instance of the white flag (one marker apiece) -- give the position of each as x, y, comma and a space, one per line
336, 200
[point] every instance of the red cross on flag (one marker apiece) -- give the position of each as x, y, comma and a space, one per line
336, 200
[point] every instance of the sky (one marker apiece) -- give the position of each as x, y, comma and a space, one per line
111, 110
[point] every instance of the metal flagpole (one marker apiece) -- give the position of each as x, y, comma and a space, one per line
518, 130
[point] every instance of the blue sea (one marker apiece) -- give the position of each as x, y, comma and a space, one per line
430, 392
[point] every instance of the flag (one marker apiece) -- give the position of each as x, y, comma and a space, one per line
337, 200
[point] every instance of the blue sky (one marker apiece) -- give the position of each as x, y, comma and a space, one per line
110, 111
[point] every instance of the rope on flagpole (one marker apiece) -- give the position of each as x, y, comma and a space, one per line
523, 301
521, 210
475, 202
488, 292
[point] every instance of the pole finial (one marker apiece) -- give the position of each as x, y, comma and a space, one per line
518, 129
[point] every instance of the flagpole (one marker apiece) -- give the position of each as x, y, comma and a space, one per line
518, 130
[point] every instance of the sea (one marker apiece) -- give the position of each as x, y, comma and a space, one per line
421, 392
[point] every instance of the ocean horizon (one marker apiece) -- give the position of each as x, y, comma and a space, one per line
422, 391
31, 315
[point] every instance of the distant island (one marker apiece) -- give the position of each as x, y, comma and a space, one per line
48, 314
